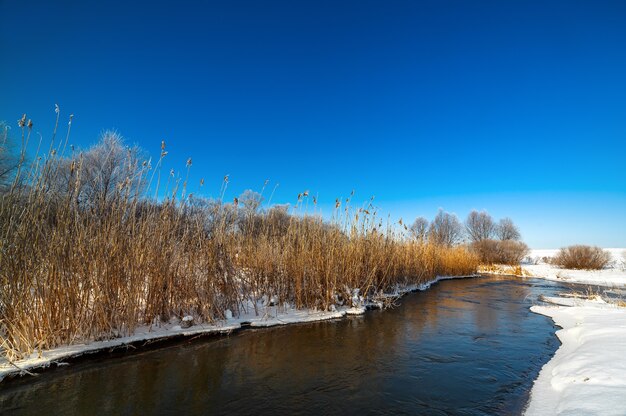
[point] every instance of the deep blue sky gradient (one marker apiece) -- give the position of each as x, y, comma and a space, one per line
517, 107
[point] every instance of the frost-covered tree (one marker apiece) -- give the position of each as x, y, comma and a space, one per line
250, 200
8, 158
98, 174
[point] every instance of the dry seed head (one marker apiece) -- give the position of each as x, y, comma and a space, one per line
189, 162
162, 144
56, 108
22, 122
30, 124
226, 178
202, 182
236, 201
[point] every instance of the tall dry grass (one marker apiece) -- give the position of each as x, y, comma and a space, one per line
77, 266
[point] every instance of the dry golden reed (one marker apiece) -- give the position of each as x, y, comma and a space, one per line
84, 260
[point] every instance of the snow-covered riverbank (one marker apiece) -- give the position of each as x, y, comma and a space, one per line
536, 265
267, 316
612, 276
587, 375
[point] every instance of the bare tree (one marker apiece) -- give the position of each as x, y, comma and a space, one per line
507, 230
419, 229
479, 226
445, 229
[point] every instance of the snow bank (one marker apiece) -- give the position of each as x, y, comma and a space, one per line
267, 316
535, 265
612, 276
587, 375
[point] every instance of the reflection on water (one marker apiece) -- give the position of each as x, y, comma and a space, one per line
466, 347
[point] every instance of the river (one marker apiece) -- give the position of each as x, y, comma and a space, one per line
463, 347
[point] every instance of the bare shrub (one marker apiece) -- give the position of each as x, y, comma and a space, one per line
479, 226
582, 257
500, 252
445, 229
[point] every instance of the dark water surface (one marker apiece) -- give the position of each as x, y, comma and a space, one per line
464, 347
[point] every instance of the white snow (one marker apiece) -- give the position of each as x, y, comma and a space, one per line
587, 375
267, 316
612, 276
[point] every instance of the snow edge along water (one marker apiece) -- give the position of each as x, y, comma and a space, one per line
271, 317
587, 374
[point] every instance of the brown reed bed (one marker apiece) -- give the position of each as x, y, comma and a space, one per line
86, 255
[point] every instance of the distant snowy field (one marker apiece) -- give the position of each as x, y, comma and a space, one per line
587, 375
613, 276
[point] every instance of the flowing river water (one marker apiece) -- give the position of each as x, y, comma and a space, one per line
463, 347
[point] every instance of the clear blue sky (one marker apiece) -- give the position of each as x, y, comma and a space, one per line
516, 107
